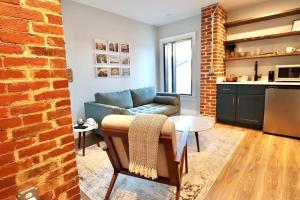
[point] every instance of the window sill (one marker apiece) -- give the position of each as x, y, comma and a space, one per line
185, 97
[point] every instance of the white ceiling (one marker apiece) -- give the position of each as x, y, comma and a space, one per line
155, 12
160, 12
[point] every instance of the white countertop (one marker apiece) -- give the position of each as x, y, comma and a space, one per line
259, 83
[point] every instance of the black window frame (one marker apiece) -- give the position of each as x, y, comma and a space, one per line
173, 59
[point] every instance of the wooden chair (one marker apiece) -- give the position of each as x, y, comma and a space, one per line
172, 152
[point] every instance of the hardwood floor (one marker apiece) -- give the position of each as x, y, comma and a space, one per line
264, 167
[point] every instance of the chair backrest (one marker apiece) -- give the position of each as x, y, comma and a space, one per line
115, 132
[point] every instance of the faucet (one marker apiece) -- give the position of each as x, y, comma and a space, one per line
256, 76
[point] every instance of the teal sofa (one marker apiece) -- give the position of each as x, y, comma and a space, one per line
132, 102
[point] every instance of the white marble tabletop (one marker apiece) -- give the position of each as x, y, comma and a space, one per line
89, 128
194, 123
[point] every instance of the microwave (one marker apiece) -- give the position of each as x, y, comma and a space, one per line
287, 73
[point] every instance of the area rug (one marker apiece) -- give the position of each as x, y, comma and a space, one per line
216, 145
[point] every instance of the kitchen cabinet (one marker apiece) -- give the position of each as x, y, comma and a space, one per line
250, 109
226, 106
241, 105
226, 102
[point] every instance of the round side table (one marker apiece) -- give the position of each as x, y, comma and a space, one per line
82, 133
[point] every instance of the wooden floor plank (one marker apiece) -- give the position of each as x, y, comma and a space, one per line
262, 167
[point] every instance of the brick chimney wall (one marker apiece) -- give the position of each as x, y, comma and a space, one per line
208, 88
37, 144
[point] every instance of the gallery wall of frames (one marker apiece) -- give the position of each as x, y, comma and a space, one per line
112, 59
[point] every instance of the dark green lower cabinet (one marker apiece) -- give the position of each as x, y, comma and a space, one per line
241, 105
250, 109
226, 107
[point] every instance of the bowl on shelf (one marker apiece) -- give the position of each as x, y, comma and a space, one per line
231, 78
242, 54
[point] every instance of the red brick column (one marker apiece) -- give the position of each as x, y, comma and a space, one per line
37, 143
208, 81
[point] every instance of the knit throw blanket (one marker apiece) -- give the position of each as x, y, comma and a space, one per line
143, 139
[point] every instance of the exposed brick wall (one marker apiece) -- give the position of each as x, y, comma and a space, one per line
37, 145
208, 81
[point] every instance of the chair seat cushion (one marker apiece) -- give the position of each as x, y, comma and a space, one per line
154, 108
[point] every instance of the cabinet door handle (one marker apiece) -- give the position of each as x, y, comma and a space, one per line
238, 100
233, 100
226, 89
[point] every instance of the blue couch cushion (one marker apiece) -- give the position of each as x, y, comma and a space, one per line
167, 100
143, 96
121, 99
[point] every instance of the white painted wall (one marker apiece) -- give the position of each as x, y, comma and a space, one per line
83, 24
190, 105
280, 25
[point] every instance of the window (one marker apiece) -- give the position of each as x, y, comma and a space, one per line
177, 59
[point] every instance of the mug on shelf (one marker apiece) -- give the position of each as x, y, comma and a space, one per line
290, 50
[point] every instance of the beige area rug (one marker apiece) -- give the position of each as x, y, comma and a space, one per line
216, 144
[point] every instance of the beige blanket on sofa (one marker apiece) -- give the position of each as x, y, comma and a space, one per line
143, 139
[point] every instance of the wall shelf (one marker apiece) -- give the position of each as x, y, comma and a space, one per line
262, 56
277, 35
263, 18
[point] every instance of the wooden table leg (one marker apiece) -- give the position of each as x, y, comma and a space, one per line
79, 140
197, 141
97, 140
186, 160
83, 149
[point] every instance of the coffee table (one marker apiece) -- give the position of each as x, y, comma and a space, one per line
194, 123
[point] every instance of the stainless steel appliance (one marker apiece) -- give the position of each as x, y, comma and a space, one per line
282, 110
287, 73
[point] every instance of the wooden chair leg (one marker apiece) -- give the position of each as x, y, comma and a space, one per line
111, 186
97, 139
98, 144
186, 160
177, 193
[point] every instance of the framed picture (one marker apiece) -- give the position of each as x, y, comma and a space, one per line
101, 59
296, 25
113, 47
101, 45
115, 72
125, 72
124, 48
102, 72
125, 60
114, 59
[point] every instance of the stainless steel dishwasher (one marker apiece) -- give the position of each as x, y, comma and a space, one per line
282, 110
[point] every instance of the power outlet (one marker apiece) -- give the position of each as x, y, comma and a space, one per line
211, 71
30, 194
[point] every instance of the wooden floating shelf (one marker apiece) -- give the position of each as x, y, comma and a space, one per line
263, 18
262, 56
277, 35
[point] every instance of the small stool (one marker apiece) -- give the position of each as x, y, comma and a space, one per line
82, 133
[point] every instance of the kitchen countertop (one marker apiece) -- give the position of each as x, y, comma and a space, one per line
259, 83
